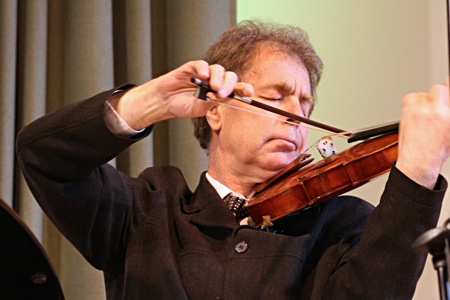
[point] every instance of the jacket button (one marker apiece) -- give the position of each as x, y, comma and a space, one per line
241, 247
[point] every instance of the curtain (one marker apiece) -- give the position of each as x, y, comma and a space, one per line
56, 52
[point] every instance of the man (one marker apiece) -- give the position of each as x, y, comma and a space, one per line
153, 238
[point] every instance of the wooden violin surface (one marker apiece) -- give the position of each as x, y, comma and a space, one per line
325, 179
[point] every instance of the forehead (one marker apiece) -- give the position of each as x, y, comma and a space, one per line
275, 67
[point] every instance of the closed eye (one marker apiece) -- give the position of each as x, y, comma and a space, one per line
306, 108
271, 98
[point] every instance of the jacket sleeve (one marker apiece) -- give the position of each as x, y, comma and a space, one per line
63, 157
383, 265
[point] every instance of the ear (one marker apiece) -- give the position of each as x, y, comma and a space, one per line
214, 117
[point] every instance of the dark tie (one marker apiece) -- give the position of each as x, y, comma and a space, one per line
236, 205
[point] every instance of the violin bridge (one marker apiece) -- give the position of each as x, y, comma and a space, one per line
326, 147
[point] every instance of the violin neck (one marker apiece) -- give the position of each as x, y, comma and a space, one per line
374, 131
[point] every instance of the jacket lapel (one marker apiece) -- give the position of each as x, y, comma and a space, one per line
207, 208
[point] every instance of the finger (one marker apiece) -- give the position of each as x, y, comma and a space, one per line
199, 69
229, 82
244, 89
212, 96
439, 94
216, 77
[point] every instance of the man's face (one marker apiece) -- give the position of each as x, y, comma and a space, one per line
256, 147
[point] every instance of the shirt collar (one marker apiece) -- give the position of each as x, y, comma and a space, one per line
221, 189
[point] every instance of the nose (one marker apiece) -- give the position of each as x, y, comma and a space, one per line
292, 105
292, 122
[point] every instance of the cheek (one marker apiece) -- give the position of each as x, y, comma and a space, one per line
247, 121
304, 135
250, 137
239, 127
250, 133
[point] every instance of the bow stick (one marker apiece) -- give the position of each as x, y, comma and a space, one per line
204, 88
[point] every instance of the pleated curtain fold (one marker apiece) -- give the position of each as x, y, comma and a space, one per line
56, 52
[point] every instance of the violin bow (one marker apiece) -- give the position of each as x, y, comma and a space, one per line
204, 88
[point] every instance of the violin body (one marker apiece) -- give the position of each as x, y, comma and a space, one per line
324, 180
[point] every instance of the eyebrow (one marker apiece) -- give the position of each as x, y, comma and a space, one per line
281, 87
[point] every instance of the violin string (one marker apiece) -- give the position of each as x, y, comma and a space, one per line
314, 145
340, 134
309, 149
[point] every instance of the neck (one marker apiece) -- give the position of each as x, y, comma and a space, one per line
227, 175
247, 190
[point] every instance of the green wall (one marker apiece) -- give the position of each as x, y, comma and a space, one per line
375, 52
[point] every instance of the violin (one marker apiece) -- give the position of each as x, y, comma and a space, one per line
301, 184
298, 189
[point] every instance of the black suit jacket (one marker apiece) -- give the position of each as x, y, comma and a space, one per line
155, 239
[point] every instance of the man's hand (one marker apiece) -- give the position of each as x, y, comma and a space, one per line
172, 95
424, 142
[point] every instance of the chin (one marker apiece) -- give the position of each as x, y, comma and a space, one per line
276, 166
272, 164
